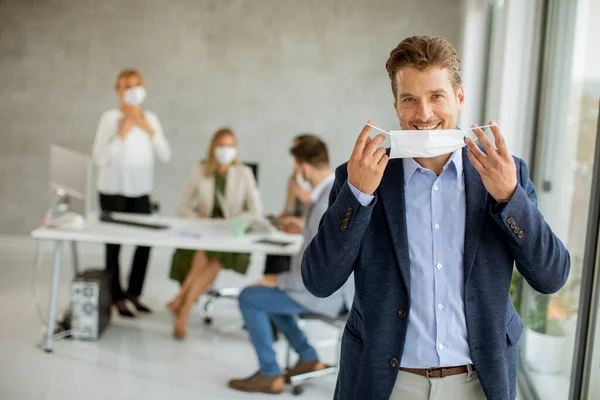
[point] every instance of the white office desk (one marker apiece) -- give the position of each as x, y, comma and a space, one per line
210, 235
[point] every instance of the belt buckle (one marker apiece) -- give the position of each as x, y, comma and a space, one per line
443, 372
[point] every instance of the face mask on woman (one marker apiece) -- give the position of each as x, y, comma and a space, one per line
135, 96
225, 154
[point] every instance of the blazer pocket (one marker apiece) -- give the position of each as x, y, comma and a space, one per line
514, 330
353, 333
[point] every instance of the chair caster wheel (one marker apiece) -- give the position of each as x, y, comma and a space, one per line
297, 390
208, 320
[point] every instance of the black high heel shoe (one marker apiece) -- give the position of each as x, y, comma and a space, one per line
123, 310
139, 306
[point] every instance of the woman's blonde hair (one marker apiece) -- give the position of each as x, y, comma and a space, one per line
125, 74
211, 163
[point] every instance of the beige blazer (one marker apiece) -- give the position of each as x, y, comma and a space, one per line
240, 200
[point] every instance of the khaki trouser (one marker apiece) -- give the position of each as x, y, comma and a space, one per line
456, 387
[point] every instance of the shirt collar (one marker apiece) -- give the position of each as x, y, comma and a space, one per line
318, 190
411, 166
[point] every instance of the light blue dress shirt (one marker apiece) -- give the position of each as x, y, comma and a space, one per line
435, 218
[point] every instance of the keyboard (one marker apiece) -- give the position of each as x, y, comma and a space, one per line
107, 217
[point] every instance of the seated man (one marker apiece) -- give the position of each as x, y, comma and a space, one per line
297, 202
283, 297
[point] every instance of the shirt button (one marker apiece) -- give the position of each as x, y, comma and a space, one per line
394, 363
439, 266
441, 347
435, 187
402, 314
437, 226
440, 306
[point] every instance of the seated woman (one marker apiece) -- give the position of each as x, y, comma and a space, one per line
220, 187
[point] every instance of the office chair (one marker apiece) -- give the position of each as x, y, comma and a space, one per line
297, 381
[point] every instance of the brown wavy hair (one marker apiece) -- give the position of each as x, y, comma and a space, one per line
211, 164
422, 53
311, 150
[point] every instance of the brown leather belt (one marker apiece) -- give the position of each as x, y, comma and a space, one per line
437, 372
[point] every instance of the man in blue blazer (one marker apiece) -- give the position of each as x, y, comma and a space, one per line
432, 240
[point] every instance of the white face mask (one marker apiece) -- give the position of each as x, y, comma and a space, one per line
135, 96
225, 154
303, 183
426, 143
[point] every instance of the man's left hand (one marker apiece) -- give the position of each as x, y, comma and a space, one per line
496, 167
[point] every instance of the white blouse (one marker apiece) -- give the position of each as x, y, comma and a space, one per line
127, 165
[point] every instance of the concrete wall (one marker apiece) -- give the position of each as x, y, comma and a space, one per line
267, 68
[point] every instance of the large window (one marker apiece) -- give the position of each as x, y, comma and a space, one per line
563, 172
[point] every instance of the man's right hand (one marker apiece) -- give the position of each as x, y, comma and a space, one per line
367, 162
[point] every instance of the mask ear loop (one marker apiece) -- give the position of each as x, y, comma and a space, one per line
476, 139
379, 129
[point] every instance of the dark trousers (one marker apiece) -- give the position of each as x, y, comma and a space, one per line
277, 264
138, 205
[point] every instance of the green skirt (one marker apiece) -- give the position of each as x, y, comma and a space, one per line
182, 261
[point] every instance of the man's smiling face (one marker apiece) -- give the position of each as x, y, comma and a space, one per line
426, 99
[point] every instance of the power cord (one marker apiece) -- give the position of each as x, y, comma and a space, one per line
57, 336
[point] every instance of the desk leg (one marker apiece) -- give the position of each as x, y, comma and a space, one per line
58, 248
75, 257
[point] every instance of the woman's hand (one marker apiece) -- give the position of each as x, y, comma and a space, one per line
143, 123
134, 116
125, 125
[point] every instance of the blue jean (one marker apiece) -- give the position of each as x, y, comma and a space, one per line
257, 304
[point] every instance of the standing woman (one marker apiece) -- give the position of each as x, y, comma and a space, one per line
128, 140
220, 187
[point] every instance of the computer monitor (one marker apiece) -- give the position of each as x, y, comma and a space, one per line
71, 179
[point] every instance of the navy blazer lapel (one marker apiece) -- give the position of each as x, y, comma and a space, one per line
476, 197
392, 196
